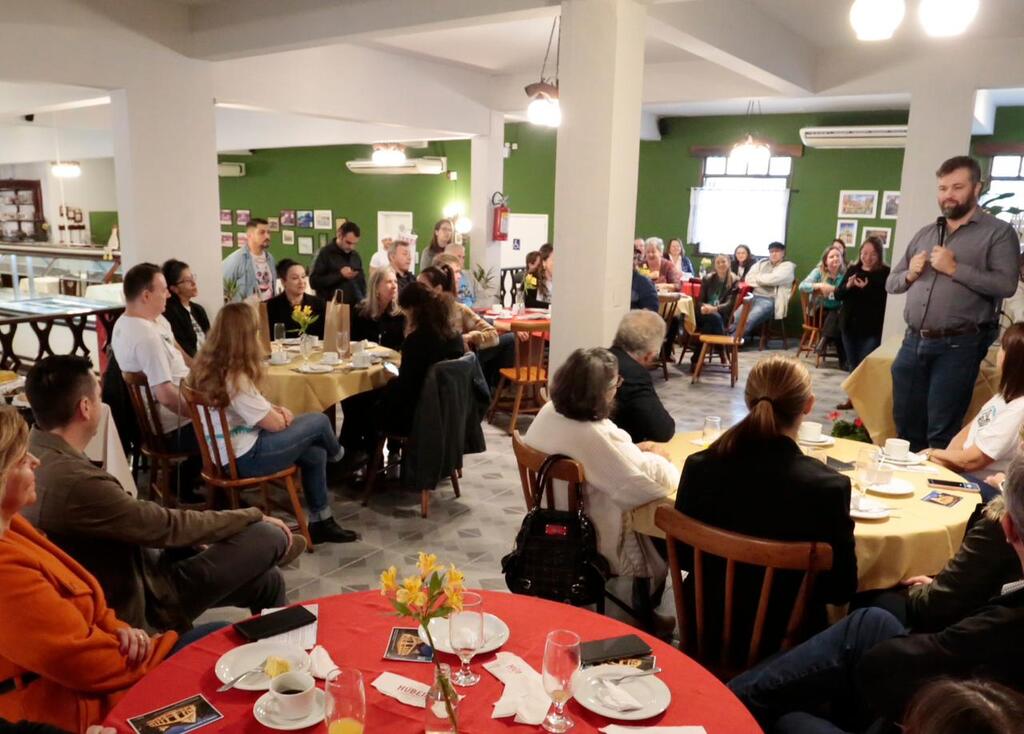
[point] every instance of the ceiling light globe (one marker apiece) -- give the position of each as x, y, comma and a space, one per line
945, 18
463, 225
876, 20
544, 111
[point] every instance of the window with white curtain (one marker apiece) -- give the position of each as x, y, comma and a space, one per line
737, 208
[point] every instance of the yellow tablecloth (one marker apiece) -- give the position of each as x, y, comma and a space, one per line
684, 308
315, 393
918, 538
870, 388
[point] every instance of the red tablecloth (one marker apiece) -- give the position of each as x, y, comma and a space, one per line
355, 628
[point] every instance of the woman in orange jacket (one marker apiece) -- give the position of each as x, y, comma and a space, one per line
65, 658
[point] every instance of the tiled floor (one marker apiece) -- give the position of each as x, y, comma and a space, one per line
475, 531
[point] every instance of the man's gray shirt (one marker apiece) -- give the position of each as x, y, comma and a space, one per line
987, 266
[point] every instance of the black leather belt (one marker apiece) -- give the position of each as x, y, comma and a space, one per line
11, 684
946, 333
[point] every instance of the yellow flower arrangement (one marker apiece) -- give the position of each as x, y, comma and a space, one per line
530, 282
304, 317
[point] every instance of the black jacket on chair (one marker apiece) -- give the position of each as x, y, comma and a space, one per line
421, 350
638, 409
181, 325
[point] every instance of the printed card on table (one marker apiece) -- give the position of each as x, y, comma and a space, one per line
178, 718
942, 498
405, 644
647, 662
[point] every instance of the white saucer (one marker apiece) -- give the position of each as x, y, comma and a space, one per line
895, 488
823, 441
870, 509
265, 712
496, 634
246, 657
650, 691
909, 460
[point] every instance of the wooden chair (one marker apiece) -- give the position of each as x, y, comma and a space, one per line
221, 472
528, 377
668, 304
376, 468
766, 330
729, 344
811, 326
735, 548
163, 462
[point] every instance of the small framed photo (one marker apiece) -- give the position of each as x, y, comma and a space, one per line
882, 233
846, 230
890, 204
322, 218
242, 238
225, 216
322, 240
274, 224
338, 222
304, 219
227, 239
287, 236
287, 217
242, 217
305, 245
858, 204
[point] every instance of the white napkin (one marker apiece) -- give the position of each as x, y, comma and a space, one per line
524, 693
320, 663
619, 729
615, 696
406, 690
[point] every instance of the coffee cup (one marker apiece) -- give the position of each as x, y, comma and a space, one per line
294, 693
330, 358
279, 357
809, 431
362, 359
897, 448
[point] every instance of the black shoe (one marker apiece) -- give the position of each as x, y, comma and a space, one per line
328, 531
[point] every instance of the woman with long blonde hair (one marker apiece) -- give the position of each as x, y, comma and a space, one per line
265, 438
378, 317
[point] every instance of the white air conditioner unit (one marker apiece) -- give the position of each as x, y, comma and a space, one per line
230, 170
428, 165
855, 136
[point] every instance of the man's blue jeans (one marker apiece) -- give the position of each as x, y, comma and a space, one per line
932, 385
309, 442
784, 690
762, 309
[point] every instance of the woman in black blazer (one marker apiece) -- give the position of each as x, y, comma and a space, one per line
755, 480
187, 318
378, 318
280, 307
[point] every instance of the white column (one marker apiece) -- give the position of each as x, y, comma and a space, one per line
165, 158
939, 128
487, 171
600, 88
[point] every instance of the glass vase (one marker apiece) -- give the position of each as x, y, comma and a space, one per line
441, 713
306, 342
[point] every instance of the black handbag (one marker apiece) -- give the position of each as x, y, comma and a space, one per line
555, 556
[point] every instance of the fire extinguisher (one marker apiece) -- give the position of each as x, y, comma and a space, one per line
499, 230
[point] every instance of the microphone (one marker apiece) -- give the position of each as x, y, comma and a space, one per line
940, 225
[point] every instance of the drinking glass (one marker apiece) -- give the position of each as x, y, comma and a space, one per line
306, 342
561, 661
466, 635
345, 707
712, 429
343, 343
867, 468
278, 332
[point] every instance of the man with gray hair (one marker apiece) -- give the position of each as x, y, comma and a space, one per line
638, 409
465, 293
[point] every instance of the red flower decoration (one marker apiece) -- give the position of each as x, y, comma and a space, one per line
858, 422
833, 416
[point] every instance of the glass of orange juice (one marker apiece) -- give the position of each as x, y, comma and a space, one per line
345, 707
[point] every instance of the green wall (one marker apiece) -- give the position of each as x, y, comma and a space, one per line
530, 171
316, 178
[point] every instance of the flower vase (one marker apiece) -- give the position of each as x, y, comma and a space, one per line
306, 342
441, 714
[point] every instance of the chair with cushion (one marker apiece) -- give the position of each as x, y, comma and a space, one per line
727, 344
527, 378
767, 329
736, 550
163, 463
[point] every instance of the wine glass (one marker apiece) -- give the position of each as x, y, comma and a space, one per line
561, 661
279, 332
712, 429
466, 635
345, 707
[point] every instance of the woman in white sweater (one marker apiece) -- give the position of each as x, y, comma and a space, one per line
620, 475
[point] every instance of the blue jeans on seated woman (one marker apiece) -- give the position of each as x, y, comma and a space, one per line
309, 442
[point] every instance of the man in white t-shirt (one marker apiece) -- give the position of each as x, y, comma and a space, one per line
381, 256
252, 267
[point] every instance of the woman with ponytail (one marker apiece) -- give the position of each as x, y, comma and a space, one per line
755, 480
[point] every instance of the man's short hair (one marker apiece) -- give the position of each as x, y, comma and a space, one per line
350, 228
777, 246
139, 279
640, 332
1013, 492
54, 387
256, 222
956, 163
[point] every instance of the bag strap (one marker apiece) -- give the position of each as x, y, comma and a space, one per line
543, 481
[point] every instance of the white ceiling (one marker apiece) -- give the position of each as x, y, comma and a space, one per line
783, 105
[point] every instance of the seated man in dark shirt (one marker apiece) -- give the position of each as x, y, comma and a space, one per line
638, 409
643, 294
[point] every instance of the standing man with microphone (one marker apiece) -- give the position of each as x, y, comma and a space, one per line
955, 273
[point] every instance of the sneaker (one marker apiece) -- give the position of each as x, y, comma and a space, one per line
295, 549
328, 531
848, 405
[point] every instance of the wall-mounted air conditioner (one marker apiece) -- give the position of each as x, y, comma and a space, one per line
428, 165
855, 136
230, 170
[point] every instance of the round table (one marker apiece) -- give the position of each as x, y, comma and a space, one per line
354, 628
918, 538
302, 392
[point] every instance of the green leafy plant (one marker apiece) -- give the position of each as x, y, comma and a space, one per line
851, 429
230, 289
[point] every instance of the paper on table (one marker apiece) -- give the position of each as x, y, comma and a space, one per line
304, 637
524, 693
405, 690
619, 729
320, 663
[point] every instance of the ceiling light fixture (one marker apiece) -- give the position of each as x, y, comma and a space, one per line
945, 18
66, 169
750, 151
877, 20
463, 225
388, 154
544, 106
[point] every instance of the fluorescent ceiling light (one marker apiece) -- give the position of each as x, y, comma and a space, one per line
66, 169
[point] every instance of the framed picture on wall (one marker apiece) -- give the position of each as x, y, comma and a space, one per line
242, 238
846, 230
322, 218
287, 236
225, 216
306, 245
287, 217
882, 233
274, 224
304, 219
227, 239
242, 217
890, 204
859, 204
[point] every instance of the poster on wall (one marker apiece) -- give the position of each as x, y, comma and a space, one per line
882, 233
322, 218
859, 204
242, 239
305, 245
846, 230
242, 217
274, 224
287, 217
227, 239
225, 216
287, 236
304, 219
890, 204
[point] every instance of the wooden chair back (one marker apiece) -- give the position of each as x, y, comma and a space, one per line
741, 319
736, 548
531, 354
567, 470
812, 316
667, 305
207, 420
147, 413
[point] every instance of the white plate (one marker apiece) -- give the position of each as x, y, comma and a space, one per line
895, 488
823, 441
246, 657
290, 342
653, 695
265, 712
496, 634
870, 509
317, 368
909, 460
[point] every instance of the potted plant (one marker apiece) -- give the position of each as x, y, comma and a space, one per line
484, 280
851, 429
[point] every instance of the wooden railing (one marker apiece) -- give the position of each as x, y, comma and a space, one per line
509, 283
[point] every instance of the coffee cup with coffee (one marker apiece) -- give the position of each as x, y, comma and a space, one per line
897, 448
809, 431
294, 695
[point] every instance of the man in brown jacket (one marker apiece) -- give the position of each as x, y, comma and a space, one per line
159, 568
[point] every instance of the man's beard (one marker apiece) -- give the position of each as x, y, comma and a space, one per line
959, 211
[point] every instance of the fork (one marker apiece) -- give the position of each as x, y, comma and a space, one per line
620, 678
234, 681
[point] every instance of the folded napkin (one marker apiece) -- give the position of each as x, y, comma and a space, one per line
524, 694
614, 696
406, 690
320, 663
618, 729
